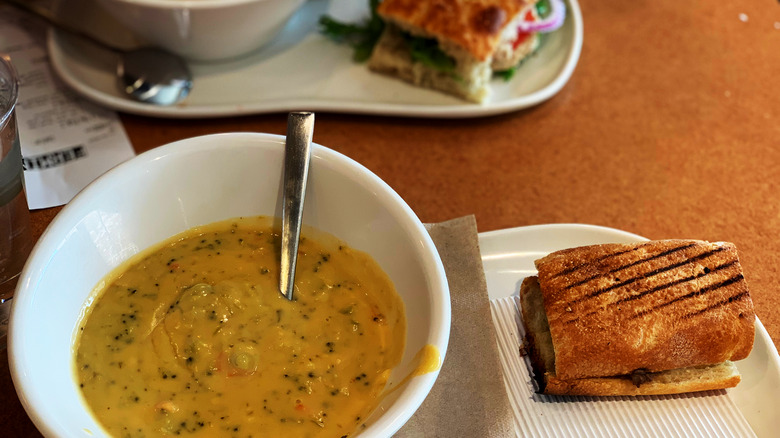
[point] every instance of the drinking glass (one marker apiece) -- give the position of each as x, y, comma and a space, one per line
15, 237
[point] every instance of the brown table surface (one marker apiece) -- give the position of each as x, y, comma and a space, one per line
669, 127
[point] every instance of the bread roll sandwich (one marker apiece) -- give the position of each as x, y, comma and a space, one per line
657, 317
454, 46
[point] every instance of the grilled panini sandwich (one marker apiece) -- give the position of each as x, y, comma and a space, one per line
657, 317
452, 45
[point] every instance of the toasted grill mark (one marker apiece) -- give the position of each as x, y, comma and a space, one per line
705, 272
737, 297
489, 20
574, 268
693, 294
634, 263
598, 292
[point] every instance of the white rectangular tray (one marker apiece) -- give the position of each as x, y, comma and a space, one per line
744, 411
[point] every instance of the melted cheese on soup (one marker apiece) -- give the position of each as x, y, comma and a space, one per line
193, 338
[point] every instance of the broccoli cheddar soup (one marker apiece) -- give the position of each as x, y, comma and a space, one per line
193, 338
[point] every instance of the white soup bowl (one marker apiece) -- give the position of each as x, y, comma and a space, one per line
194, 182
204, 30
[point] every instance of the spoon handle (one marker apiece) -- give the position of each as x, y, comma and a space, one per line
297, 154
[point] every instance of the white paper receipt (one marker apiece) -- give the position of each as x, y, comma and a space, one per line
66, 142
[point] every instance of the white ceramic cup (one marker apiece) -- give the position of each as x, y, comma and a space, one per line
204, 30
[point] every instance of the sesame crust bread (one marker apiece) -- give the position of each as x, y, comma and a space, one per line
655, 317
473, 25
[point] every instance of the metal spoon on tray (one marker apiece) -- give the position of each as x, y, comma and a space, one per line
297, 154
149, 74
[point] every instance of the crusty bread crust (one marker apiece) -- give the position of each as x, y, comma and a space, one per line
682, 380
474, 25
537, 344
470, 80
539, 347
660, 305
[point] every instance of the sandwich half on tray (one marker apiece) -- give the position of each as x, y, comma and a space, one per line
658, 317
453, 46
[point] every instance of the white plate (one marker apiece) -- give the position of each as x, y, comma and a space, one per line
508, 257
301, 69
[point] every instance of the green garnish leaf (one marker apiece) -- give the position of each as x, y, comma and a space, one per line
507, 74
426, 51
362, 37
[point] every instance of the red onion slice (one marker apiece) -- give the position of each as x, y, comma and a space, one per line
553, 21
